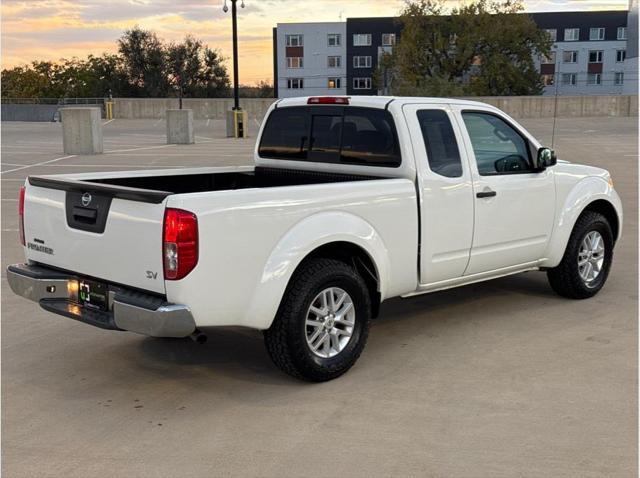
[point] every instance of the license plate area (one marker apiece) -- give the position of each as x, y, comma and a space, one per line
93, 295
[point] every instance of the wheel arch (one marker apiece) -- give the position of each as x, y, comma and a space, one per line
333, 234
355, 256
607, 209
590, 194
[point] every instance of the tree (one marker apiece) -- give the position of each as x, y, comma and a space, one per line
183, 64
145, 66
265, 89
143, 56
214, 77
109, 76
482, 48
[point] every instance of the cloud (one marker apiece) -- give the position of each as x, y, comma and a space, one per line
51, 29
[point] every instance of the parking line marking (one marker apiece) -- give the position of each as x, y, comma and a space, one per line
113, 166
38, 164
138, 149
110, 121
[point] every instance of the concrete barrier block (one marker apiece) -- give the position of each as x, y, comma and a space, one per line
180, 127
82, 130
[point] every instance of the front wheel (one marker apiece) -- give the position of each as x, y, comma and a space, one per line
323, 322
587, 259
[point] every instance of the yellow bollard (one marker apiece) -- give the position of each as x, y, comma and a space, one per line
240, 123
109, 109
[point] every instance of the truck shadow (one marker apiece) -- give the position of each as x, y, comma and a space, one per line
240, 353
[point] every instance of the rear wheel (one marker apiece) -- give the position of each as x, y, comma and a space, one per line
323, 322
587, 259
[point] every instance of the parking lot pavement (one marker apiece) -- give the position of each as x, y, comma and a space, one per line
496, 379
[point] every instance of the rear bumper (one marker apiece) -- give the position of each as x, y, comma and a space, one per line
128, 309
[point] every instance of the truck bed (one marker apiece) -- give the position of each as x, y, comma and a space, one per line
154, 188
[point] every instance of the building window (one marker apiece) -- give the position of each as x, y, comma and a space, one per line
622, 33
295, 83
595, 56
334, 61
596, 33
571, 34
334, 39
569, 56
334, 83
388, 39
294, 62
362, 83
548, 80
619, 78
621, 55
362, 62
553, 33
569, 79
293, 40
362, 39
594, 79
548, 59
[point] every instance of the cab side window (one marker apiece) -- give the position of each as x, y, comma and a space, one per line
440, 142
498, 147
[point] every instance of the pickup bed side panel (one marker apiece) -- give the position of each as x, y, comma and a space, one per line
251, 242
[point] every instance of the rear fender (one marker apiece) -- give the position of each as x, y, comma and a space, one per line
302, 239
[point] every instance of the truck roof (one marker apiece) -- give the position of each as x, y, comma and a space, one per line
380, 101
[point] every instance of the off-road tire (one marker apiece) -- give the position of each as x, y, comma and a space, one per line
286, 340
565, 279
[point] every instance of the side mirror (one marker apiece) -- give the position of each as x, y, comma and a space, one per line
546, 158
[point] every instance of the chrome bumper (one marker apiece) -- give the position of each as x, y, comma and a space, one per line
128, 310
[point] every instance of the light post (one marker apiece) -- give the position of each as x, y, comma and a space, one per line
234, 22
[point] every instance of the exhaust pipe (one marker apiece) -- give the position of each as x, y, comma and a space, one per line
198, 337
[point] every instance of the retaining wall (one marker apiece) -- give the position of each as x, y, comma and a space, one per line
516, 106
203, 108
564, 106
29, 112
39, 113
216, 108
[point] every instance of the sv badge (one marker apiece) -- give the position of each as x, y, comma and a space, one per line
152, 275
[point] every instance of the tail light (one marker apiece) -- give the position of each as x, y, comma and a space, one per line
179, 243
21, 216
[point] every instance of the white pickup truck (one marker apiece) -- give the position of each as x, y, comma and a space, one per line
351, 201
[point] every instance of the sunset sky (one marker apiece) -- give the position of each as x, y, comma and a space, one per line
53, 29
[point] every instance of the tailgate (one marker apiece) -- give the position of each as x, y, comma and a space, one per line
109, 233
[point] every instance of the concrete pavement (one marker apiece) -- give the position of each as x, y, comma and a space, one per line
499, 379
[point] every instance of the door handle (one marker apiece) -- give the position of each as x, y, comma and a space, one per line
486, 194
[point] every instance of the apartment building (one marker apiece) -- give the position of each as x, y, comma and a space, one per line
310, 59
589, 54
630, 86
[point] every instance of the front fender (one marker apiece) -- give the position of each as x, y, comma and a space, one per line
302, 239
585, 192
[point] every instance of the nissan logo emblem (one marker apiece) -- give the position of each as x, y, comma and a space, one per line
86, 199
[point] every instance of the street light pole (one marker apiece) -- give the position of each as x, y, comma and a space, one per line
234, 23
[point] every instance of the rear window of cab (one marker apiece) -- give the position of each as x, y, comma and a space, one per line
331, 134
